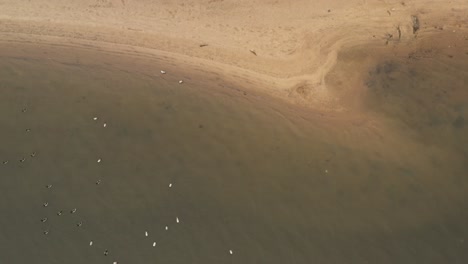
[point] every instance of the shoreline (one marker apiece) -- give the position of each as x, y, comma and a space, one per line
292, 66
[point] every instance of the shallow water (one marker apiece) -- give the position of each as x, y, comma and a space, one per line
270, 185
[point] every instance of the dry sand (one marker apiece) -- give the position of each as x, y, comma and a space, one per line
296, 42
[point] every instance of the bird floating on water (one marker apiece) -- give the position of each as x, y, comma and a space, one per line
49, 186
59, 213
106, 252
23, 159
163, 72
73, 211
45, 204
98, 182
33, 154
170, 185
231, 252
46, 232
167, 228
79, 224
95, 118
43, 220
146, 233
154, 244
99, 161
90, 243
5, 162
177, 219
181, 81
104, 125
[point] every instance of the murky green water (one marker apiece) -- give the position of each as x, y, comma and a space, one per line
272, 185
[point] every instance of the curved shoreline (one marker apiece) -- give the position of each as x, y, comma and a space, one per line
295, 52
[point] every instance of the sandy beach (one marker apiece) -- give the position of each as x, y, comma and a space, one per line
296, 43
234, 131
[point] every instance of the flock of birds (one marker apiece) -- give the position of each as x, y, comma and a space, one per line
98, 182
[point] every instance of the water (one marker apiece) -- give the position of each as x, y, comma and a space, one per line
271, 182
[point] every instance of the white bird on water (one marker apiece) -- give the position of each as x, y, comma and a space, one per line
104, 125
90, 243
181, 81
167, 228
231, 252
99, 161
154, 244
177, 219
163, 72
146, 233
95, 118
170, 185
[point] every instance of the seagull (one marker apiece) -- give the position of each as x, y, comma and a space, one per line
49, 186
22, 160
90, 243
99, 161
98, 182
95, 118
33, 154
43, 220
231, 252
167, 228
5, 162
73, 211
28, 130
170, 185
106, 252
46, 232
24, 110
163, 72
181, 81
59, 213
154, 244
104, 125
79, 224
45, 204
146, 233
177, 219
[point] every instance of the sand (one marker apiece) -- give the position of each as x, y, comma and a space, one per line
296, 43
331, 132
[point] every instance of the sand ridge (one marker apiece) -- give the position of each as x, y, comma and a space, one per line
296, 42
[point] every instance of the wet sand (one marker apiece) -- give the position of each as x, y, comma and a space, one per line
361, 159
